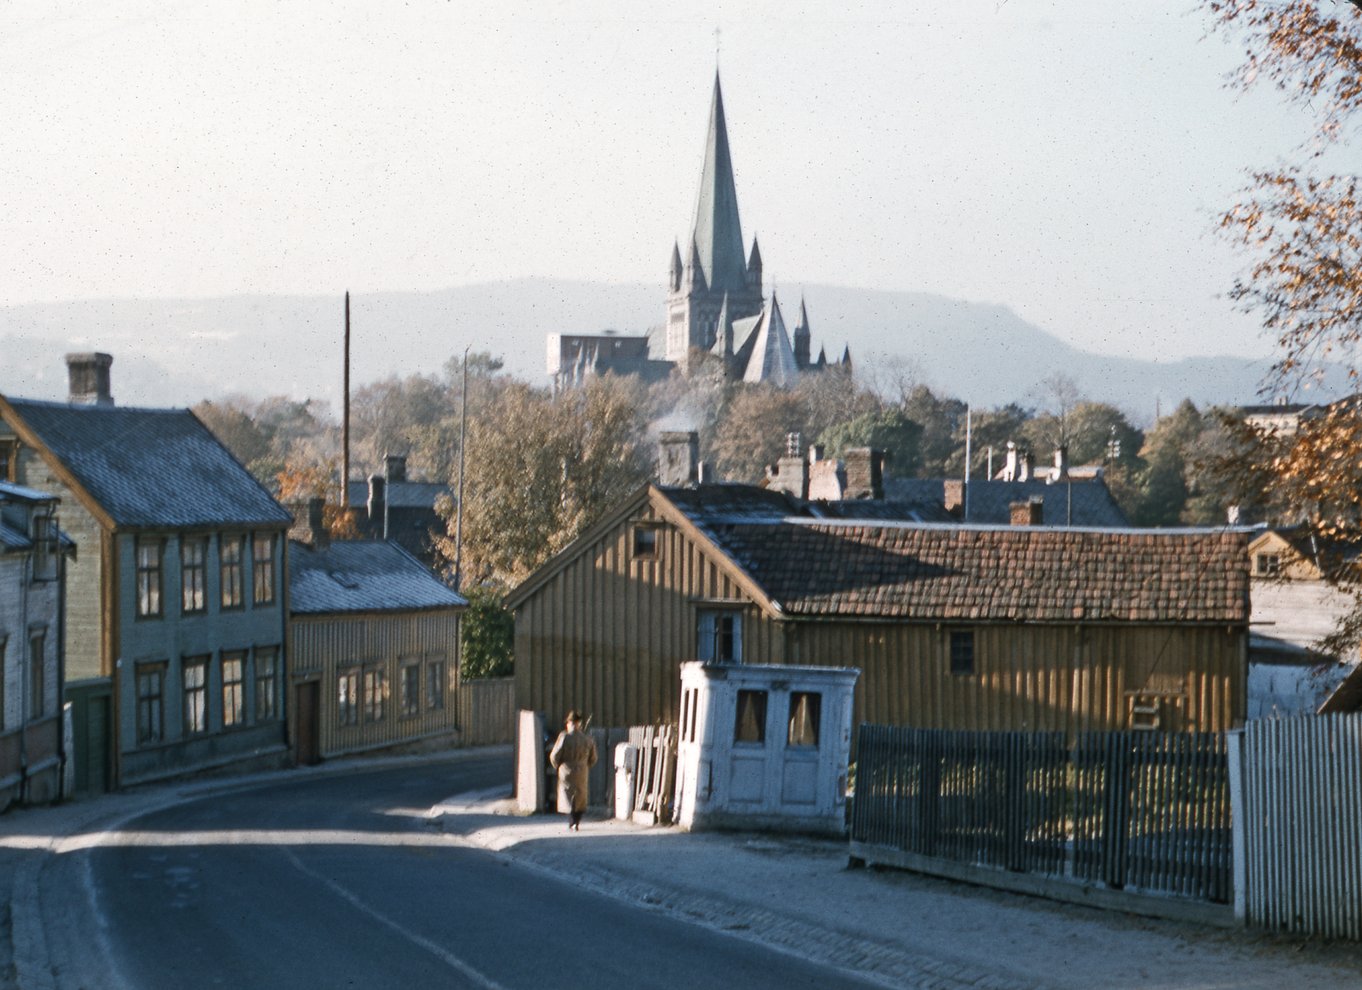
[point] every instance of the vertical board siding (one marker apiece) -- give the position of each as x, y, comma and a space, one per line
486, 711
1303, 824
607, 633
323, 646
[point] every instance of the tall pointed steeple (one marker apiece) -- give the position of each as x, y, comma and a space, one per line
717, 231
802, 337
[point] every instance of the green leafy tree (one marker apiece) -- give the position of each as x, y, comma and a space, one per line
889, 430
487, 635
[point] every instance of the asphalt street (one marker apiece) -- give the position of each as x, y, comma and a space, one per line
335, 881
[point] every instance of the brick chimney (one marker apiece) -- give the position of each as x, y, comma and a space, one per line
89, 379
791, 472
678, 459
395, 467
865, 473
378, 504
1028, 513
953, 496
827, 478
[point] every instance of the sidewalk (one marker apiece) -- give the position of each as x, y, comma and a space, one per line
901, 929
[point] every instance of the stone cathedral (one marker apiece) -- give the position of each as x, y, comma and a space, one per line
717, 309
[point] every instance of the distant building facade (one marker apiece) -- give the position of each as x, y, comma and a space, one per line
717, 308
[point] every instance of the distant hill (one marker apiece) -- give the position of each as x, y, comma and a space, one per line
178, 351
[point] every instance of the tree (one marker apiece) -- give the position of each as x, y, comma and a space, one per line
943, 431
300, 483
751, 430
1303, 232
889, 430
487, 633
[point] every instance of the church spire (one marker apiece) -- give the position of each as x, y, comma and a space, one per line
717, 232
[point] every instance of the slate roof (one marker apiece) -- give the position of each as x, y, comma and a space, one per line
772, 357
13, 539
1085, 503
362, 576
401, 494
151, 467
21, 493
959, 573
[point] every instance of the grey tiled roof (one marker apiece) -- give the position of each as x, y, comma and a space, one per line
401, 494
21, 493
1082, 503
362, 576
152, 467
1013, 573
13, 539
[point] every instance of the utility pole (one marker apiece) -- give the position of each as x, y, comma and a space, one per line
463, 432
345, 414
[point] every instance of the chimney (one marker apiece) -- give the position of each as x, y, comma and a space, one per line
89, 378
395, 467
678, 459
827, 479
1061, 472
378, 505
1027, 469
1028, 513
309, 523
1010, 464
865, 473
953, 496
791, 472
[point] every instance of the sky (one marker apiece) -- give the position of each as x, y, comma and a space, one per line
1063, 158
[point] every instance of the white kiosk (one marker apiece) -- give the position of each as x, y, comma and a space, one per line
764, 746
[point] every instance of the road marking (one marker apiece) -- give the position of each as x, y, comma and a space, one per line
444, 955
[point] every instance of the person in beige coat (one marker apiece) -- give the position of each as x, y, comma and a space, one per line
573, 756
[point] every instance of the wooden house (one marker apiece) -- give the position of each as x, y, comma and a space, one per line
175, 605
970, 627
374, 647
33, 555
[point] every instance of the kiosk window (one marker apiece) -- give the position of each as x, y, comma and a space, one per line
804, 712
750, 724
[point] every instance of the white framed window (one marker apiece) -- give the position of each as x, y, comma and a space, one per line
718, 635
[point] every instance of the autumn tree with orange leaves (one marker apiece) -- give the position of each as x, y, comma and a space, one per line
1303, 233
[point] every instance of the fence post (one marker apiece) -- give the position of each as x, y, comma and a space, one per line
1234, 752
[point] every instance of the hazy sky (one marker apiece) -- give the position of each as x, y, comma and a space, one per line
1064, 158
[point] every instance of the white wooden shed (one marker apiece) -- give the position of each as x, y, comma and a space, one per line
764, 746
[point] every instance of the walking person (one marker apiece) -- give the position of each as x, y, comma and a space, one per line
573, 756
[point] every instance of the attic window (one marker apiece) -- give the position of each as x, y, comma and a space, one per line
1267, 564
343, 579
645, 542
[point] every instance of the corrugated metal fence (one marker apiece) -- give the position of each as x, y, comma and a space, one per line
486, 714
1131, 810
1302, 824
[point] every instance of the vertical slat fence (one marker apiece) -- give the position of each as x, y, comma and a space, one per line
1302, 824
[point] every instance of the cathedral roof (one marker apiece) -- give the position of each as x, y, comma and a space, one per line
717, 232
772, 357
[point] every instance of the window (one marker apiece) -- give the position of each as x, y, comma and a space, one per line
233, 549
375, 694
645, 542
1267, 564
962, 651
151, 683
347, 698
46, 547
411, 689
149, 578
263, 577
233, 689
195, 695
435, 684
719, 636
193, 573
9, 459
37, 694
750, 724
805, 709
266, 683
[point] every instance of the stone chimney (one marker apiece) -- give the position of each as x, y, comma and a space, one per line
89, 379
1026, 470
791, 472
865, 473
678, 459
1010, 462
309, 523
953, 496
378, 504
395, 467
1028, 513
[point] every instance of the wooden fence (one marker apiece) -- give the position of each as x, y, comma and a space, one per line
1301, 825
486, 711
1127, 809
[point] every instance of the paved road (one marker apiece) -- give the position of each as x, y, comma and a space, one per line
341, 881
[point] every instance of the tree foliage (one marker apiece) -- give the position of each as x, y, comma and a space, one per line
487, 635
